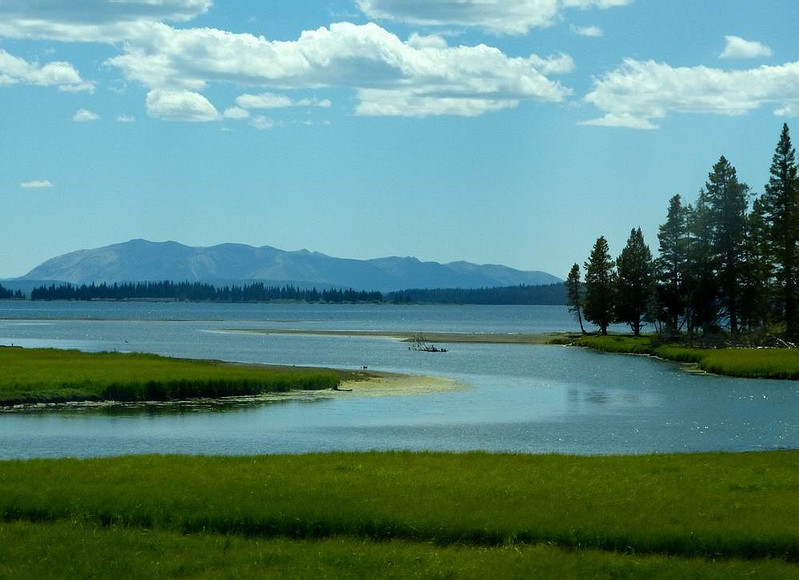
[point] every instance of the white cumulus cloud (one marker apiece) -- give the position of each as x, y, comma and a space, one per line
236, 113
640, 92
85, 116
366, 58
180, 106
737, 47
496, 16
92, 20
36, 184
15, 70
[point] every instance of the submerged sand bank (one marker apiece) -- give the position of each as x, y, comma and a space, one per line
451, 337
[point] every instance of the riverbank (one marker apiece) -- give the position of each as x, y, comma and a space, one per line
753, 363
403, 514
45, 379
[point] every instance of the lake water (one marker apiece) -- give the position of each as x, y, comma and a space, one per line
515, 398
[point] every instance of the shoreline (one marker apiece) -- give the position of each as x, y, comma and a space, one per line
353, 384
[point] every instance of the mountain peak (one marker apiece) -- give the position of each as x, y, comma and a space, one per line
143, 260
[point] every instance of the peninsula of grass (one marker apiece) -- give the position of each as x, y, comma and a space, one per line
753, 363
57, 376
403, 514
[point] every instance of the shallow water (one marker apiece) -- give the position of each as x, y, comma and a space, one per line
517, 398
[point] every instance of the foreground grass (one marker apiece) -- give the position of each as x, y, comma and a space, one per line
44, 375
68, 549
755, 363
741, 509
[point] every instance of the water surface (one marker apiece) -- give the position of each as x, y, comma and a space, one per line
517, 398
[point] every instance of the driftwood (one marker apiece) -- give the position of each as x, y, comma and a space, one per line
420, 344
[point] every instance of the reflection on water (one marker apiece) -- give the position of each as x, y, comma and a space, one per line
520, 398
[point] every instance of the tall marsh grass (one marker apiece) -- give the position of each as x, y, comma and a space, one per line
44, 375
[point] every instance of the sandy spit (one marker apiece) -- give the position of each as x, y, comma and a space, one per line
450, 337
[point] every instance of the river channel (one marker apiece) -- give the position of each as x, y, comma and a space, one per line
512, 397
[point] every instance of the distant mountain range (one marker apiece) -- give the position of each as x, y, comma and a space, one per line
142, 261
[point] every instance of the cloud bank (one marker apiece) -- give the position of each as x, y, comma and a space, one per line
92, 20
390, 77
418, 77
640, 92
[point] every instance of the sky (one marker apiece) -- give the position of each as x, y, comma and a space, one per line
509, 132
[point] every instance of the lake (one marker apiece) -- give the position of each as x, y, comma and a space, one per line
514, 398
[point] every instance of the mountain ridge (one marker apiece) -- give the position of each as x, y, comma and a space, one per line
141, 260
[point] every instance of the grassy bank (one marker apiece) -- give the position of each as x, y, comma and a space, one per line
423, 514
43, 375
756, 363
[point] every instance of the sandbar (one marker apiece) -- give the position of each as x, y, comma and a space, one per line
450, 337
380, 384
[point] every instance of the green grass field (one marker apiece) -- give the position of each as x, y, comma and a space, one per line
405, 514
755, 363
44, 375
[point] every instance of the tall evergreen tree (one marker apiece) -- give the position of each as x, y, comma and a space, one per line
727, 203
757, 274
672, 264
781, 204
634, 281
701, 287
600, 283
574, 294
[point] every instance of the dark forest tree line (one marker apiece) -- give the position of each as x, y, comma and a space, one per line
7, 294
729, 261
199, 292
548, 294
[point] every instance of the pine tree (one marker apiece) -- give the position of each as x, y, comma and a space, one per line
672, 264
701, 287
727, 203
574, 294
781, 204
634, 281
600, 282
758, 268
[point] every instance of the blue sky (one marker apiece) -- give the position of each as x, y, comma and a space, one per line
512, 132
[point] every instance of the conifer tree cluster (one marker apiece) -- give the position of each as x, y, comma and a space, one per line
729, 261
200, 292
6, 294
